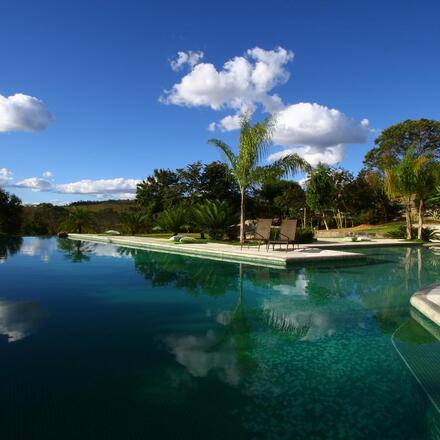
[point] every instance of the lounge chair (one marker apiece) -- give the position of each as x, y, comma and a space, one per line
261, 233
286, 234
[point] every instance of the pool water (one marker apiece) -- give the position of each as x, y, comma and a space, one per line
101, 342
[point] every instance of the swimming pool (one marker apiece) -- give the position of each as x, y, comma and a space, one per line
100, 342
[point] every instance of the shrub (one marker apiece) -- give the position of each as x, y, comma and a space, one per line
400, 232
214, 217
173, 219
305, 235
134, 221
428, 234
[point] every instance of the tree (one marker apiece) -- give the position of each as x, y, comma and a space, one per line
426, 171
406, 154
160, 191
11, 213
78, 219
214, 217
134, 221
422, 136
253, 146
321, 191
173, 219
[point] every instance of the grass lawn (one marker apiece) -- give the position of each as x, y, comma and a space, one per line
196, 235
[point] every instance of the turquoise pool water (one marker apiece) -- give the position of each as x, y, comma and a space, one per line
100, 342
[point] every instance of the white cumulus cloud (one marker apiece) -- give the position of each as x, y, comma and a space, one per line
317, 133
47, 174
21, 112
189, 58
5, 177
243, 83
34, 184
100, 186
118, 188
314, 124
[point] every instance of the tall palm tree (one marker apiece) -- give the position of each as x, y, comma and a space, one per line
245, 166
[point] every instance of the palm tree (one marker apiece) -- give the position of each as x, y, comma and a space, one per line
78, 219
427, 172
214, 217
413, 176
173, 219
253, 148
134, 221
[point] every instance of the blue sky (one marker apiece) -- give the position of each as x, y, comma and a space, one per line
100, 66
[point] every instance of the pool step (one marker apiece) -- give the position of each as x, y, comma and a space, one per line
419, 348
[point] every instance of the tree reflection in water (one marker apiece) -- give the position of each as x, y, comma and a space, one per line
9, 247
76, 250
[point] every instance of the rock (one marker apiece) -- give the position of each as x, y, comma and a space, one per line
62, 234
112, 232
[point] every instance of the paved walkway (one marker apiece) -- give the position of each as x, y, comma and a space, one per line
228, 252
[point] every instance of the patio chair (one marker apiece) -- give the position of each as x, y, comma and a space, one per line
286, 234
261, 233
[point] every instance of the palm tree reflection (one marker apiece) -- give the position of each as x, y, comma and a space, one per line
75, 250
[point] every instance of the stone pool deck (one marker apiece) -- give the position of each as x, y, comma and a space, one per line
427, 302
323, 250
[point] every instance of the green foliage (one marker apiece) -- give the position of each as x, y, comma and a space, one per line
245, 166
78, 220
428, 234
214, 217
321, 189
422, 136
43, 219
193, 184
280, 198
135, 221
173, 220
399, 232
304, 235
11, 213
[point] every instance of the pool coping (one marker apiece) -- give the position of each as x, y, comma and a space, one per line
225, 252
422, 301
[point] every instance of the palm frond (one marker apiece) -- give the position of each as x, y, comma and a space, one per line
225, 149
283, 167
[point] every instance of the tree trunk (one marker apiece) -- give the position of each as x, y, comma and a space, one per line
408, 220
325, 221
242, 218
421, 212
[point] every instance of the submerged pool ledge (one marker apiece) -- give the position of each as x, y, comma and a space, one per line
427, 302
224, 252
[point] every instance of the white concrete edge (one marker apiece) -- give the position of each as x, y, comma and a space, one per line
421, 301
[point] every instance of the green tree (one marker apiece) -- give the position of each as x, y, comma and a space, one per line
396, 153
134, 221
79, 219
11, 213
422, 136
245, 166
321, 191
214, 217
173, 219
160, 191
